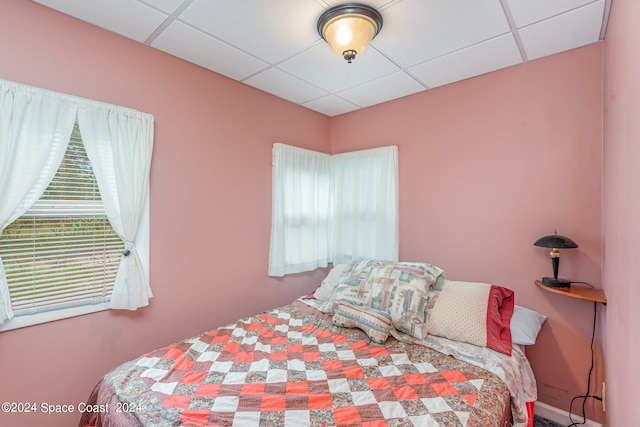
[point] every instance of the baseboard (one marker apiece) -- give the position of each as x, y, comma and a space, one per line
559, 416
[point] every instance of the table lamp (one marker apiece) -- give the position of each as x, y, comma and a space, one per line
555, 242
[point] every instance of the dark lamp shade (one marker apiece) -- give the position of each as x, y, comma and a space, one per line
555, 241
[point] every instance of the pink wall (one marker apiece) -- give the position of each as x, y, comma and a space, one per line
487, 166
622, 211
210, 202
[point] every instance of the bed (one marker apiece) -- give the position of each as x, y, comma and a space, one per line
356, 352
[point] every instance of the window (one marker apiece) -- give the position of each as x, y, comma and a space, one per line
364, 215
300, 233
66, 248
62, 252
332, 208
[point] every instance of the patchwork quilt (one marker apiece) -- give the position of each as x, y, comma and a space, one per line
293, 367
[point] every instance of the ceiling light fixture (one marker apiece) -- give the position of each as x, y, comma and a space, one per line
349, 28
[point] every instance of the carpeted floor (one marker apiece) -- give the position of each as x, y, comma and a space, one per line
543, 422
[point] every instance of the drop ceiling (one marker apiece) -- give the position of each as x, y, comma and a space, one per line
273, 45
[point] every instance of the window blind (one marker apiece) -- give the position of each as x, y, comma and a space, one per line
62, 252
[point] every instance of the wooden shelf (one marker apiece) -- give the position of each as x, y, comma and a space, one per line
579, 291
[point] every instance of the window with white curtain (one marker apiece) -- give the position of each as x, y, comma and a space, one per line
332, 208
300, 225
62, 252
74, 206
364, 213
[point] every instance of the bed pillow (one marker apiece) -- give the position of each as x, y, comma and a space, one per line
408, 308
525, 325
405, 306
398, 289
439, 283
325, 288
359, 277
376, 324
475, 313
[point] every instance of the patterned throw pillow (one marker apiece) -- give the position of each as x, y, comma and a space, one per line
361, 281
399, 289
475, 313
409, 312
376, 324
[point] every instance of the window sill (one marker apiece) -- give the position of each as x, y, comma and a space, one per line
22, 321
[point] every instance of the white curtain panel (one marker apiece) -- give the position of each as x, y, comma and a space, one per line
119, 143
300, 210
35, 127
332, 208
364, 195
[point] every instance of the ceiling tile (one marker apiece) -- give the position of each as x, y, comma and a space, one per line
563, 32
168, 6
284, 85
482, 58
373, 3
330, 105
415, 31
273, 45
527, 12
128, 18
384, 89
322, 67
201, 49
271, 30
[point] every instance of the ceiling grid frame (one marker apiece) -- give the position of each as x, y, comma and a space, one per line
282, 53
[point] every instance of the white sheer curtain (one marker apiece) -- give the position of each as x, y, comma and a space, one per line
35, 128
119, 143
332, 208
300, 210
364, 195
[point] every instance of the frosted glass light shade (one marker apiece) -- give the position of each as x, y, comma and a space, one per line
349, 28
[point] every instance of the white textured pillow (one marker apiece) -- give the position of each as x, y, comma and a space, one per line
329, 282
525, 325
475, 313
460, 313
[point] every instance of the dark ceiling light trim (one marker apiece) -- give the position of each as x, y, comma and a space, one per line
349, 27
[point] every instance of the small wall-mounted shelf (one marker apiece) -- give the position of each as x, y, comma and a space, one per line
577, 290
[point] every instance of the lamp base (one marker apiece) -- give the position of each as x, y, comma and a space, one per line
556, 283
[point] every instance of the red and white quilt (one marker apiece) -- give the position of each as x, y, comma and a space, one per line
292, 367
